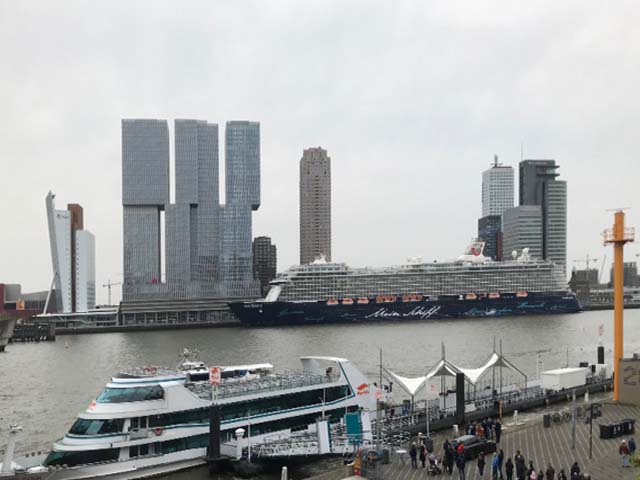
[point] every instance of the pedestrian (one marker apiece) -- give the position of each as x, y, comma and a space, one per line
624, 454
551, 473
448, 457
533, 475
632, 446
495, 466
480, 433
531, 470
498, 429
562, 475
460, 450
508, 468
541, 475
413, 453
481, 464
423, 455
575, 471
460, 463
521, 468
500, 462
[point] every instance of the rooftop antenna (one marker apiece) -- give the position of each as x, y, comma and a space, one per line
521, 151
495, 160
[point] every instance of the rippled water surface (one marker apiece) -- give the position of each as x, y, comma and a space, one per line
44, 386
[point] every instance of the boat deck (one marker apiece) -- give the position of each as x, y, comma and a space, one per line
271, 383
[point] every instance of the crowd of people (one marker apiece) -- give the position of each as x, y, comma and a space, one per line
453, 457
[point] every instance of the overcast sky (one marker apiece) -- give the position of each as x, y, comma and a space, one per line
411, 100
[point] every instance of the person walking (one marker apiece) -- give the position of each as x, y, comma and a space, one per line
423, 455
551, 473
508, 469
541, 475
495, 466
498, 430
460, 463
448, 456
533, 475
624, 454
413, 454
562, 475
531, 470
500, 462
481, 464
521, 468
575, 471
632, 446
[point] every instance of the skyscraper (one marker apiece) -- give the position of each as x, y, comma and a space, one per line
497, 196
207, 246
72, 257
145, 193
264, 262
522, 228
315, 205
242, 176
539, 186
497, 189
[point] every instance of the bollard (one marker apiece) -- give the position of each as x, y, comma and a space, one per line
515, 416
456, 432
586, 396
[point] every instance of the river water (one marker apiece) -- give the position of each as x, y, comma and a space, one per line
44, 386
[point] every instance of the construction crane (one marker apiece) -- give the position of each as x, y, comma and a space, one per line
110, 284
586, 260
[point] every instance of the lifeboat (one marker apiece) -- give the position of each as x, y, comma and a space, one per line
390, 299
522, 294
332, 301
470, 296
411, 298
347, 301
380, 299
363, 300
494, 295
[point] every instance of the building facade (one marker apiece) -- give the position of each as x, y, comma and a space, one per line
497, 189
264, 262
522, 228
207, 245
72, 257
490, 232
315, 205
539, 185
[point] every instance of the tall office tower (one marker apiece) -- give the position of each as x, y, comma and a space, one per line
315, 205
192, 224
85, 272
522, 228
145, 192
490, 232
72, 257
497, 189
264, 262
59, 222
242, 190
539, 186
77, 223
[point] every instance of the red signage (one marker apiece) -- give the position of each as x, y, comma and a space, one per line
215, 376
363, 389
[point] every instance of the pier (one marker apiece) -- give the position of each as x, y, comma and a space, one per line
34, 331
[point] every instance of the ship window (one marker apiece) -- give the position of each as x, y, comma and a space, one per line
179, 444
200, 415
84, 426
81, 458
137, 394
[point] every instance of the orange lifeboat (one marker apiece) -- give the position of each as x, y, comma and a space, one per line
332, 301
494, 295
522, 294
363, 300
390, 299
380, 299
347, 301
471, 296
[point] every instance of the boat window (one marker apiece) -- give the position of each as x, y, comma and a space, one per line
81, 458
133, 452
83, 426
199, 415
179, 444
136, 394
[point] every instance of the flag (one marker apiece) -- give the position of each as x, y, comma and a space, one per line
601, 329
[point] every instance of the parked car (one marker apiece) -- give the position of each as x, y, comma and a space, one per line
474, 445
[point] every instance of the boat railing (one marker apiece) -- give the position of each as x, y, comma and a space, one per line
273, 382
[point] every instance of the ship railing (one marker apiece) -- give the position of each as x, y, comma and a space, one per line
274, 382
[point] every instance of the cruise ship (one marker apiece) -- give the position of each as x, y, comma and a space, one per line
150, 421
471, 286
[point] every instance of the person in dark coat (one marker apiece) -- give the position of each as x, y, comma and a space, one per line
521, 468
448, 456
498, 430
481, 464
551, 473
460, 463
413, 453
423, 455
575, 471
562, 475
500, 462
632, 446
508, 469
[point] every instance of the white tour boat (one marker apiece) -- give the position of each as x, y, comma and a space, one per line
151, 421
